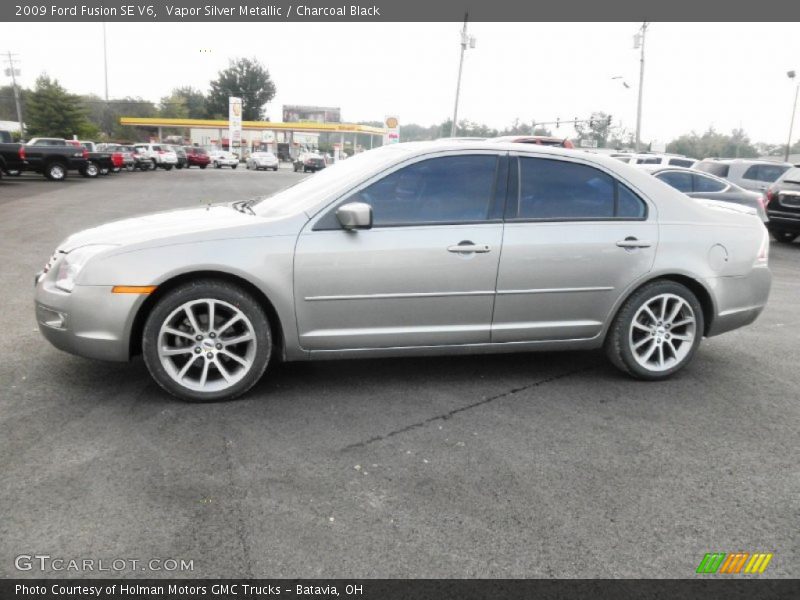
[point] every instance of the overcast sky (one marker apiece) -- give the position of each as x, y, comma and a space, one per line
720, 74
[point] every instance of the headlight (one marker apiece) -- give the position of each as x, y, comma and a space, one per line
73, 262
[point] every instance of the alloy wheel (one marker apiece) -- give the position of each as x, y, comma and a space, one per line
207, 345
662, 332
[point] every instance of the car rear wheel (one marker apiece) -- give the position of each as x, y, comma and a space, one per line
656, 332
168, 167
55, 171
207, 340
234, 166
202, 166
784, 237
91, 170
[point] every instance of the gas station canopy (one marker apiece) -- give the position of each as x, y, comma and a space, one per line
308, 127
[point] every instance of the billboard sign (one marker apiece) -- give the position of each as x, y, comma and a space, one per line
392, 125
234, 121
297, 113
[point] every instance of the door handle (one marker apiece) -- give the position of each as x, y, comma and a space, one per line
632, 242
467, 247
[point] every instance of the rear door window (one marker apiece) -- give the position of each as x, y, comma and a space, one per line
766, 173
562, 190
706, 184
678, 179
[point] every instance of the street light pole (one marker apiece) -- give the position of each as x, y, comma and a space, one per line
105, 60
791, 75
11, 61
465, 39
639, 43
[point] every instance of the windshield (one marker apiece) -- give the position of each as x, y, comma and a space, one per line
304, 196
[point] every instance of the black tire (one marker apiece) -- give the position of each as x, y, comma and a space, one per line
168, 167
784, 237
618, 343
234, 166
202, 166
104, 171
275, 169
217, 165
55, 171
91, 170
130, 168
220, 291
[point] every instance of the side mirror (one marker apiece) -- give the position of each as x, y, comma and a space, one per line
355, 215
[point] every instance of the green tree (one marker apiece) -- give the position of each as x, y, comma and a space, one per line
53, 112
714, 144
598, 128
106, 116
244, 78
8, 108
184, 103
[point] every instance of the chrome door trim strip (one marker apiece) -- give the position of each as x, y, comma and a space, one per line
323, 333
397, 295
556, 290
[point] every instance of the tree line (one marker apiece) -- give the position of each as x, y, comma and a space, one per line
50, 110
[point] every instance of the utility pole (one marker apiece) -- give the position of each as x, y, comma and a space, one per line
791, 75
465, 40
638, 42
13, 72
105, 61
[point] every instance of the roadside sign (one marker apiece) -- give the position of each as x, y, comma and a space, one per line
234, 121
392, 125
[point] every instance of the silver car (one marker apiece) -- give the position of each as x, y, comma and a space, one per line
412, 249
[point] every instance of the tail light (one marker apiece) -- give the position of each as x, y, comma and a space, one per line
22, 152
767, 197
85, 153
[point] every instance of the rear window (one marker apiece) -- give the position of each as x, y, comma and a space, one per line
792, 175
766, 173
715, 168
648, 161
681, 162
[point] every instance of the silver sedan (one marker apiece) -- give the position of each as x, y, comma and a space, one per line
412, 249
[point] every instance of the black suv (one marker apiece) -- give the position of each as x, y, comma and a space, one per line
783, 206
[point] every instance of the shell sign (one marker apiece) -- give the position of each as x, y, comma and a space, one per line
392, 135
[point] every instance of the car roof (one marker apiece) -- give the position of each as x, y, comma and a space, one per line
747, 161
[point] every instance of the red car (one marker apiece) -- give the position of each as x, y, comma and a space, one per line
196, 157
542, 140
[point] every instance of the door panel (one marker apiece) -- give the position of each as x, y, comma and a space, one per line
575, 238
560, 280
395, 286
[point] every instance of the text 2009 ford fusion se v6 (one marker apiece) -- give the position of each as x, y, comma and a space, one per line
419, 248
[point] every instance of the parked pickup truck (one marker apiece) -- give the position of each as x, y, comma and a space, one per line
53, 157
11, 159
98, 161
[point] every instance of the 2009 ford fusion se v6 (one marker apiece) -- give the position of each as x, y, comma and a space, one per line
411, 249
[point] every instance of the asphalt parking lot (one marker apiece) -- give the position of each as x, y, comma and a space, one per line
527, 465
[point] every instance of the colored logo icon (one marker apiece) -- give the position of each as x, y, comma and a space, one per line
734, 563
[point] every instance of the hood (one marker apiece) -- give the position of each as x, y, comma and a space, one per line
213, 222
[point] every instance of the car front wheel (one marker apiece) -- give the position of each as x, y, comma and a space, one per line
207, 340
91, 170
656, 332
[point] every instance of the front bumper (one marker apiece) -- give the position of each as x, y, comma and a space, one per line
739, 300
90, 321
